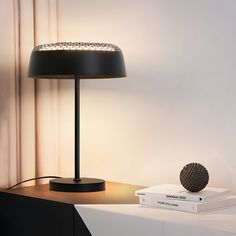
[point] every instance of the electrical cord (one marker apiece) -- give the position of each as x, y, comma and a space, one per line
41, 177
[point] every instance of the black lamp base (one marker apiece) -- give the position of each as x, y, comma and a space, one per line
70, 185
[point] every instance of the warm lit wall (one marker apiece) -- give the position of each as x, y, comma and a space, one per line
177, 104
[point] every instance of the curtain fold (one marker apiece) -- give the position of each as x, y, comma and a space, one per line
46, 94
27, 91
31, 111
9, 93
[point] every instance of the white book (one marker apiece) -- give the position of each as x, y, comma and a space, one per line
177, 192
194, 207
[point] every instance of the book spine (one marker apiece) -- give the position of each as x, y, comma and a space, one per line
172, 197
168, 204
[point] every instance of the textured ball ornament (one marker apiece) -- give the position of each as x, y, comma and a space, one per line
194, 177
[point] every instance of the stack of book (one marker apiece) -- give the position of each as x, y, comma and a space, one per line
176, 197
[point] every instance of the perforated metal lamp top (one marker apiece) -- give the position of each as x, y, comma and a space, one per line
77, 46
69, 59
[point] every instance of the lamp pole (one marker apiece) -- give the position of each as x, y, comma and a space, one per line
77, 129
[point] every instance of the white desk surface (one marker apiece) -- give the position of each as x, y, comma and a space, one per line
222, 220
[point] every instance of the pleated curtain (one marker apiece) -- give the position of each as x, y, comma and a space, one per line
36, 123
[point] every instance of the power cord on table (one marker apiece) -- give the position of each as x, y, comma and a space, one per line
41, 177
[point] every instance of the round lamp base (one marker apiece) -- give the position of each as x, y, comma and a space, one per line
70, 185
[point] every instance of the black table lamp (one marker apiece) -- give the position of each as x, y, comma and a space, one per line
76, 61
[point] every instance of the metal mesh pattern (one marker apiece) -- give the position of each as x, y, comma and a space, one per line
82, 46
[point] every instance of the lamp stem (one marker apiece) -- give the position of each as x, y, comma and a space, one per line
77, 128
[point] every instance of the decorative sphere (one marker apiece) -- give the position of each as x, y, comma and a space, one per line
194, 177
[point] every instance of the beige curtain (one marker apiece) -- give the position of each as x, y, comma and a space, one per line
33, 124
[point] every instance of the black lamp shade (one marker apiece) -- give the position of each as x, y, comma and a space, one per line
86, 60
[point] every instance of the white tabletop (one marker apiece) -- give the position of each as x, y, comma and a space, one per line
120, 217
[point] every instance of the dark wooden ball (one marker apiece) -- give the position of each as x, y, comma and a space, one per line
194, 177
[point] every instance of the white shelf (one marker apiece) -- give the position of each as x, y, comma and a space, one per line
132, 219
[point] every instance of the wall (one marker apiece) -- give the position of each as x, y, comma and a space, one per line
177, 104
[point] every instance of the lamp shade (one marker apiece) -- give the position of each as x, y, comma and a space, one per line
85, 60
